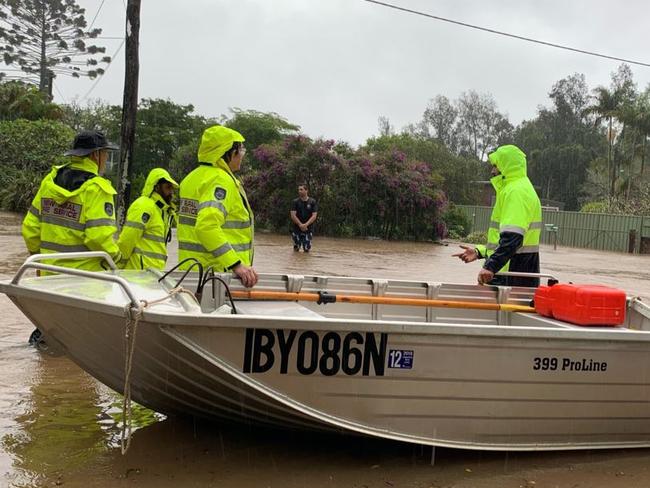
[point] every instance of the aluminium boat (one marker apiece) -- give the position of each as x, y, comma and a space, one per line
475, 378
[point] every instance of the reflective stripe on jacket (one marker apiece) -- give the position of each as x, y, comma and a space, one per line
83, 219
517, 208
215, 222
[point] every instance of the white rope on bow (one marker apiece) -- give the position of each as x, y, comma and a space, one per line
133, 317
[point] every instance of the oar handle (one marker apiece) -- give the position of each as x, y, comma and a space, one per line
413, 302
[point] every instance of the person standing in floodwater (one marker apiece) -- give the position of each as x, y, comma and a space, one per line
303, 214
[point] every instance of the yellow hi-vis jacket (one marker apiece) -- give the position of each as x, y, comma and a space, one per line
147, 230
215, 224
70, 221
517, 208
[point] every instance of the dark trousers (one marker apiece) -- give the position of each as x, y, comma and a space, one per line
301, 239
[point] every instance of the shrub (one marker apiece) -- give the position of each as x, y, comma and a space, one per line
476, 238
24, 101
457, 222
18, 189
595, 207
33, 145
29, 150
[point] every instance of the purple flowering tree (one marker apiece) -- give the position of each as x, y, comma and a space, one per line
383, 194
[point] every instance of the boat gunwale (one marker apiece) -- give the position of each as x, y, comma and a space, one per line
200, 319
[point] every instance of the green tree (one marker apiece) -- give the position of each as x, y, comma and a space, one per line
21, 101
609, 106
481, 128
440, 122
258, 128
384, 125
95, 115
162, 128
643, 124
606, 106
561, 142
470, 126
455, 175
46, 38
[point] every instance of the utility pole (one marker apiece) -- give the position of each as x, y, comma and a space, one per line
129, 108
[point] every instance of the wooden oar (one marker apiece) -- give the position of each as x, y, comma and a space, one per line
324, 297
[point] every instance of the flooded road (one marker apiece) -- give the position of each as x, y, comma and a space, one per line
59, 427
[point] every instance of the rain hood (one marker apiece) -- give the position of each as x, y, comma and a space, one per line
60, 194
510, 161
215, 142
155, 175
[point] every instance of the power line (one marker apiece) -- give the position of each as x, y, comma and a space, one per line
99, 78
96, 14
506, 34
59, 92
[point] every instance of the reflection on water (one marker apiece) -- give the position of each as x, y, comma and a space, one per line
67, 422
59, 427
111, 418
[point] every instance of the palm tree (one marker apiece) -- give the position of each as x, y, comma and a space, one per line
642, 123
637, 116
607, 107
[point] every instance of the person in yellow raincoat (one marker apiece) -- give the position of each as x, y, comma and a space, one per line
215, 224
147, 230
73, 209
515, 224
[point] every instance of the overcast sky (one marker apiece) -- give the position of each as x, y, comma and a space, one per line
334, 66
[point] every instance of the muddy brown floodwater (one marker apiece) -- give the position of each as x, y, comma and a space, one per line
59, 427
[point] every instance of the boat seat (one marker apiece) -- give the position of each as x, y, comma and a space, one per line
279, 309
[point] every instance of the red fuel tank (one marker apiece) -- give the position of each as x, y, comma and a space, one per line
592, 305
544, 301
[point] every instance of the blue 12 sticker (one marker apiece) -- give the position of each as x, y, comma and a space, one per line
400, 359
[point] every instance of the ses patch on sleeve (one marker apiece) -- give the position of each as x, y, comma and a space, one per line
219, 193
145, 217
108, 208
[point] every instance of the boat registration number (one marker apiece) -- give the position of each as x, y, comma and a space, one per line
308, 352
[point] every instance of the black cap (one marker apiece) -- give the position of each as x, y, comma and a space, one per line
88, 141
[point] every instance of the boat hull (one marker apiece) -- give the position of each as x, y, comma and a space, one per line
516, 387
